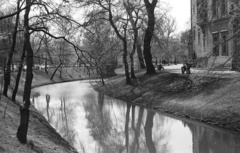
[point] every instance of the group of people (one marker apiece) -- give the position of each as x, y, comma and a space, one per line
184, 69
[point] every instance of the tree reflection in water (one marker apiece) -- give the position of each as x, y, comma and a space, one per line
93, 122
148, 132
65, 120
126, 126
49, 111
212, 140
135, 144
100, 125
48, 101
35, 96
105, 126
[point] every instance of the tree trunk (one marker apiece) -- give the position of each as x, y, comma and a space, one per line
135, 30
22, 129
148, 36
128, 80
102, 76
55, 71
123, 39
45, 67
60, 73
24, 111
47, 50
131, 56
7, 76
3, 67
19, 74
132, 67
140, 55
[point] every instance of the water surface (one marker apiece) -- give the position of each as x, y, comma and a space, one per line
94, 123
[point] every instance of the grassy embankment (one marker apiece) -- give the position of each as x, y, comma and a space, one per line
212, 99
42, 138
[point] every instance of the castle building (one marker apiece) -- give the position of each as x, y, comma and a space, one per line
212, 31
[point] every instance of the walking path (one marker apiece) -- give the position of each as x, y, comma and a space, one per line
177, 69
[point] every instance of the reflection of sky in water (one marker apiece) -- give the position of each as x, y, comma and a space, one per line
95, 123
74, 97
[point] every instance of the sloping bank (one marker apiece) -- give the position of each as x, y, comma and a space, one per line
210, 99
42, 138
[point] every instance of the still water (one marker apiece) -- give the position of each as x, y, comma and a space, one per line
94, 123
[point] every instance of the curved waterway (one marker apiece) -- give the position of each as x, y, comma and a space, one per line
94, 123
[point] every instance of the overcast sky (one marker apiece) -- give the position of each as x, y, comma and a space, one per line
181, 12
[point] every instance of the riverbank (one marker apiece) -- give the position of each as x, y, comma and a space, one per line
42, 138
211, 98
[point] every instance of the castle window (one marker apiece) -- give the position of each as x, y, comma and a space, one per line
216, 44
199, 36
236, 46
193, 9
194, 34
224, 44
204, 42
215, 8
224, 8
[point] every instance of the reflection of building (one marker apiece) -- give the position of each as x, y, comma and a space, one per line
206, 140
211, 29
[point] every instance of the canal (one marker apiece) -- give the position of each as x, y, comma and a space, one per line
94, 123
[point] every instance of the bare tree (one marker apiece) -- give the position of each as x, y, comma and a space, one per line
163, 34
20, 67
7, 76
133, 10
118, 23
150, 7
103, 47
24, 110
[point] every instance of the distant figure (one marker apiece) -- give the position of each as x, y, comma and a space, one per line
164, 61
160, 67
186, 68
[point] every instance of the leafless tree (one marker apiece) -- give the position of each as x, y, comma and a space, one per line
150, 7
7, 75
24, 110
